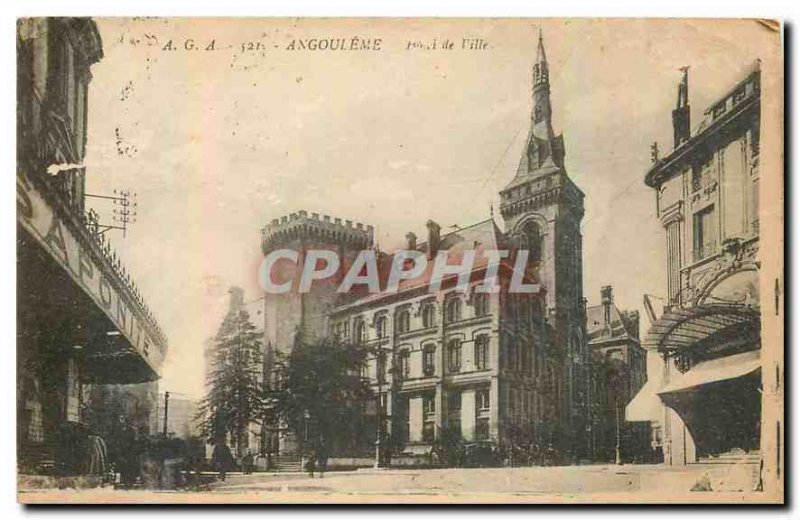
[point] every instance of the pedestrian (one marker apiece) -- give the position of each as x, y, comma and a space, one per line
247, 463
322, 462
311, 464
222, 459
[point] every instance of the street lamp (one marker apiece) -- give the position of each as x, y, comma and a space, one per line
379, 369
617, 456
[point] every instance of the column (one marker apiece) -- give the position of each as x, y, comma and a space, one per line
494, 411
415, 419
468, 414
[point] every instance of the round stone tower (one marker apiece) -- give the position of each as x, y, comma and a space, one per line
306, 313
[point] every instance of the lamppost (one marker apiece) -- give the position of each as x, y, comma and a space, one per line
166, 413
617, 457
379, 369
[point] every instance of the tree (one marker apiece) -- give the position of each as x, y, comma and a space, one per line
322, 394
236, 396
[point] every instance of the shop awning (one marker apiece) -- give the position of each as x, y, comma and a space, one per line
645, 406
683, 327
715, 370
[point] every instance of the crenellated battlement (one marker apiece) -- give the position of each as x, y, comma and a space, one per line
321, 228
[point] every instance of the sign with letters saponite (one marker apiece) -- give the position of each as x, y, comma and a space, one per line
56, 237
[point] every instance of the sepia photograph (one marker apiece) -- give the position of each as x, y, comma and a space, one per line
399, 260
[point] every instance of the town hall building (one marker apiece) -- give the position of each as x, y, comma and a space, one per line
499, 368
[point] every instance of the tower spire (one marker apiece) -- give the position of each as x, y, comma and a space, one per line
541, 55
544, 151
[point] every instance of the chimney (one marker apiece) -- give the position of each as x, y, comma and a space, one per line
681, 115
607, 299
433, 238
411, 239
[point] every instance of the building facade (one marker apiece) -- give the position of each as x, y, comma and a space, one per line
707, 396
82, 322
619, 367
503, 368
543, 209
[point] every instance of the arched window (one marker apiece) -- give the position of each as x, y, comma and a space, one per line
360, 332
380, 367
454, 355
530, 238
403, 363
481, 304
481, 352
428, 359
403, 321
428, 315
453, 310
380, 326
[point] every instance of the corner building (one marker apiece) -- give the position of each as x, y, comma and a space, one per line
82, 323
707, 400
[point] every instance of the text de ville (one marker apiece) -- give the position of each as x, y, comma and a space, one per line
354, 43
467, 44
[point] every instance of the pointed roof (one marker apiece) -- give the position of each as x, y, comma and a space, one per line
618, 328
541, 56
544, 151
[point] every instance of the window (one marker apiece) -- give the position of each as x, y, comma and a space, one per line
380, 367
429, 405
428, 360
531, 239
428, 315
704, 233
511, 354
754, 206
481, 352
453, 310
481, 304
482, 408
702, 174
454, 411
402, 423
380, 326
403, 321
361, 332
403, 363
428, 417
454, 355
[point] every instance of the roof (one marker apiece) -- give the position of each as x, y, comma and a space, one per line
684, 327
481, 237
597, 330
709, 124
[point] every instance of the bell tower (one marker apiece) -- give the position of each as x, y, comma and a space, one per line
542, 209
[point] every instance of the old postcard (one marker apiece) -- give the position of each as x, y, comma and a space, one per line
402, 261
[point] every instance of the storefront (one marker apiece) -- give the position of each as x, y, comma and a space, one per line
81, 322
710, 385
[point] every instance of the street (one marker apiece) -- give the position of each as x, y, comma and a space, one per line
602, 483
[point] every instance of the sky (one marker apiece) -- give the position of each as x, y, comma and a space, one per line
216, 143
